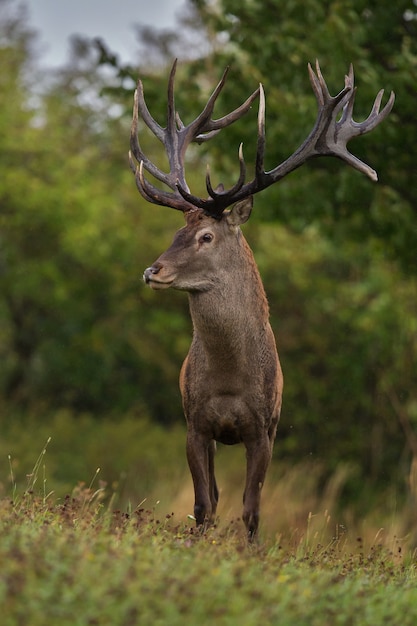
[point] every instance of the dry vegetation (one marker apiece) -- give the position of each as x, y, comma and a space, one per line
79, 560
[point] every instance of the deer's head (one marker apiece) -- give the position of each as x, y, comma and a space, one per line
209, 222
203, 250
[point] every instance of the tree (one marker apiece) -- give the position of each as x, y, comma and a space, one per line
272, 42
70, 308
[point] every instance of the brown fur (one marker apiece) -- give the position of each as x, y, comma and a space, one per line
231, 380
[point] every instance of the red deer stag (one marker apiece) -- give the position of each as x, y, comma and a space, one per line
231, 381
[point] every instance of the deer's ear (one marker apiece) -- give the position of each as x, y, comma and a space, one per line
240, 212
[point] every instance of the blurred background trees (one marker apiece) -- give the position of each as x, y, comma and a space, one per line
338, 254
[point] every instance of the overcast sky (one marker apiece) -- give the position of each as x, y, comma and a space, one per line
57, 20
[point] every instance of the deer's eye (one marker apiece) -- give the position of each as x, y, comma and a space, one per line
206, 238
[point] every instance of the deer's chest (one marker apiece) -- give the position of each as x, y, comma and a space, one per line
226, 417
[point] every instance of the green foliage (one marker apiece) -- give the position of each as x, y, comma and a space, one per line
336, 312
125, 453
73, 246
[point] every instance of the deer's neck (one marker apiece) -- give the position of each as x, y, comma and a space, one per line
231, 319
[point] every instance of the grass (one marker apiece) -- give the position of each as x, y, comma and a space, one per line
77, 561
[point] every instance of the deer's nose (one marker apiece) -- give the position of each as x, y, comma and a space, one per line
151, 271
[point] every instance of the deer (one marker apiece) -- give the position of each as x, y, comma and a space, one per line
231, 381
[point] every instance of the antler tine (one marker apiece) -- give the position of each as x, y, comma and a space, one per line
233, 116
260, 148
350, 77
324, 100
319, 84
171, 114
375, 117
139, 106
216, 125
141, 182
222, 198
158, 196
226, 120
204, 128
349, 84
202, 123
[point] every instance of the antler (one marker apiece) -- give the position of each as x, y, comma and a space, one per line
329, 137
176, 138
332, 136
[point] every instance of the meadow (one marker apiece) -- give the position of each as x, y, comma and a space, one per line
90, 555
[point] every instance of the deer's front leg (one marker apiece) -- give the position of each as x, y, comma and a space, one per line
198, 462
214, 492
258, 457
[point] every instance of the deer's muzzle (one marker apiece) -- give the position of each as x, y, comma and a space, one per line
151, 278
